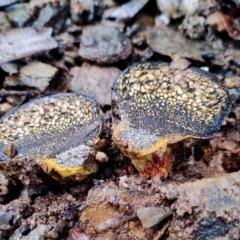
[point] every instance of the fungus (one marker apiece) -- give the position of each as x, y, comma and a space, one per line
57, 131
155, 104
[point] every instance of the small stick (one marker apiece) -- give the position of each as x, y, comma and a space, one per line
4, 92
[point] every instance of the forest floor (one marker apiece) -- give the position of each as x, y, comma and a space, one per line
82, 46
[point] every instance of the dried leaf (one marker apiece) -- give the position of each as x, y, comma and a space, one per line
166, 40
224, 22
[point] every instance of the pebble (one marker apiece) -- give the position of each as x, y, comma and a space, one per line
151, 216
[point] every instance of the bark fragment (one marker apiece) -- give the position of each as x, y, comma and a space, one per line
24, 42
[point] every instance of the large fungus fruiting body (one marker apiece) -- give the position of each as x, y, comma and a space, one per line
58, 131
155, 104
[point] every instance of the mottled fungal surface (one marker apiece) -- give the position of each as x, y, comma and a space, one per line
155, 103
48, 127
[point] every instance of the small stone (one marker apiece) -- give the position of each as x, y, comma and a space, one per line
13, 100
4, 187
10, 150
18, 14
232, 82
4, 107
37, 74
101, 157
69, 197
11, 81
76, 234
36, 191
5, 218
132, 225
108, 46
179, 62
9, 67
56, 231
151, 216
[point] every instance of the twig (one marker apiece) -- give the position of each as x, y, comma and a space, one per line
4, 92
